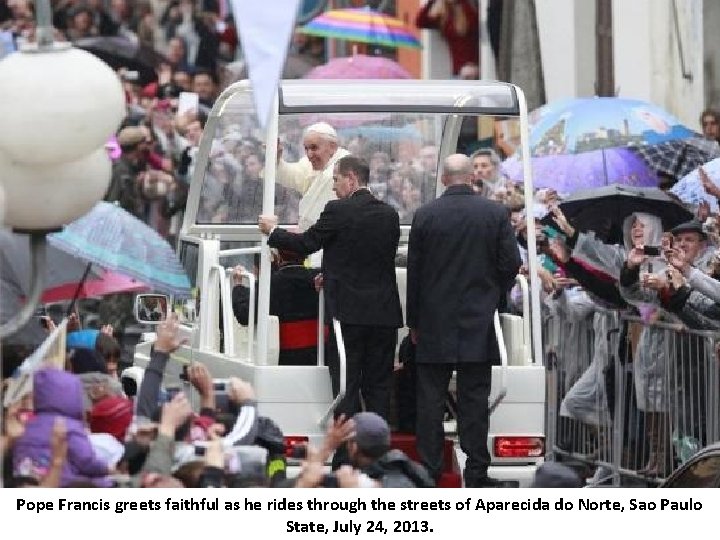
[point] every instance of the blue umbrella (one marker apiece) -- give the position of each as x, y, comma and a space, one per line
113, 238
567, 173
580, 125
690, 189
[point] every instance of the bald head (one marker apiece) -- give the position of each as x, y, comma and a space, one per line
457, 169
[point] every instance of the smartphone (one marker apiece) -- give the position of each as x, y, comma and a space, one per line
247, 464
189, 101
222, 399
652, 251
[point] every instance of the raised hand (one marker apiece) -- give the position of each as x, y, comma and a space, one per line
677, 258
240, 391
708, 185
559, 251
561, 221
168, 335
636, 257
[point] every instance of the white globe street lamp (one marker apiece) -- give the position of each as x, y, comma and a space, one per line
59, 107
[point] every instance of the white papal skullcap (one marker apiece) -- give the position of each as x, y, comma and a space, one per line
323, 128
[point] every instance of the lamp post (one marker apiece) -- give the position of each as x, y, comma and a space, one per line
59, 106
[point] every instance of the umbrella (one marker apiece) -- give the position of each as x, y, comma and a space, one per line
680, 157
362, 25
585, 124
690, 189
107, 283
119, 52
607, 207
567, 173
60, 269
117, 240
359, 66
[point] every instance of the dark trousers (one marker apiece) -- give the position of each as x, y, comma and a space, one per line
370, 353
473, 391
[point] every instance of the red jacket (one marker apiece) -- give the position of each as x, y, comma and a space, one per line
463, 49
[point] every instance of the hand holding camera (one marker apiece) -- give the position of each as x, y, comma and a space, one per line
636, 256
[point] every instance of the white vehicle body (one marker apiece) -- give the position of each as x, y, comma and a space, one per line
300, 398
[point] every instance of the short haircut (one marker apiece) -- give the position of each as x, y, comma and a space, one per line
710, 112
356, 165
210, 73
487, 152
107, 346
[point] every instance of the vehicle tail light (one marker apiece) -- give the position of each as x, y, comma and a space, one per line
295, 446
519, 447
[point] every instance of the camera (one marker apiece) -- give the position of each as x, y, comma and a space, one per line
652, 251
222, 398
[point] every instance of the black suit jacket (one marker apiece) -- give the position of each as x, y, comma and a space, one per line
462, 257
359, 237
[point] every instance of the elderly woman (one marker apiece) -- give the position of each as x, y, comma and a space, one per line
650, 348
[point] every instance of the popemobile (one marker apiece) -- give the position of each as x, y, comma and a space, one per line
399, 120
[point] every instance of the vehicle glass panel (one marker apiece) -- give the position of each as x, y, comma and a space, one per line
189, 253
401, 150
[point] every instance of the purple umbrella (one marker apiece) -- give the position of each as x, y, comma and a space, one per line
567, 173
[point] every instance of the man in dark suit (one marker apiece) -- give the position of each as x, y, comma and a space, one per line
462, 257
359, 237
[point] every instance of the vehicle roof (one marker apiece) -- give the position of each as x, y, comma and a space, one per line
367, 95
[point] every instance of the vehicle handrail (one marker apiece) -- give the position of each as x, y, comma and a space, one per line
321, 329
251, 309
238, 251
527, 337
207, 329
343, 373
504, 363
226, 299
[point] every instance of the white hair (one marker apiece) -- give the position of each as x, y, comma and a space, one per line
324, 129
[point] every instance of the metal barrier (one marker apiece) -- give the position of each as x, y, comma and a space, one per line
632, 399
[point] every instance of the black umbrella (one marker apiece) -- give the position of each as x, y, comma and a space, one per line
604, 209
679, 157
119, 52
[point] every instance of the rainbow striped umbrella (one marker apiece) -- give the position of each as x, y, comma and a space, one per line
362, 25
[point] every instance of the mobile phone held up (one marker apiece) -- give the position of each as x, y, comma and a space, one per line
651, 251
